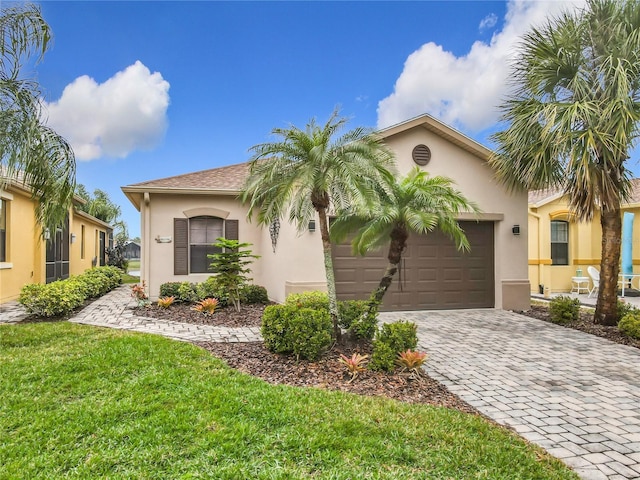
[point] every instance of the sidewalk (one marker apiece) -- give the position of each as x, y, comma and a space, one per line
113, 310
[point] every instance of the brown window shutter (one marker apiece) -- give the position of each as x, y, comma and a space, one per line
231, 230
180, 246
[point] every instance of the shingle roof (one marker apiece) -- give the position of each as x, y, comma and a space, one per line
542, 196
229, 178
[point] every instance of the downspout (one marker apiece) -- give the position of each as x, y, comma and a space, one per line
540, 266
145, 263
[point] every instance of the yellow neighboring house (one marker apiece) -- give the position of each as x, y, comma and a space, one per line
26, 257
560, 247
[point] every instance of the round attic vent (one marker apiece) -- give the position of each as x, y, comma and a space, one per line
421, 155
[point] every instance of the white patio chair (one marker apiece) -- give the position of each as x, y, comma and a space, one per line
595, 279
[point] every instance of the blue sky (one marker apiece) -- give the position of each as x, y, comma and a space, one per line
146, 89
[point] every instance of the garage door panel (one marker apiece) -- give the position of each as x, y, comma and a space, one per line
434, 274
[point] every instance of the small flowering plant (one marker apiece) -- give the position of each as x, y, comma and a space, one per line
354, 364
207, 306
412, 361
138, 292
166, 302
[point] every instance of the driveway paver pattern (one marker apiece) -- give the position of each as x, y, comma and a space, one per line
574, 394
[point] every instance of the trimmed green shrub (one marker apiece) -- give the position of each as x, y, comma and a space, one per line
211, 288
315, 300
350, 311
113, 273
187, 293
170, 289
354, 318
309, 332
625, 308
302, 331
564, 309
391, 339
251, 294
51, 300
630, 324
275, 326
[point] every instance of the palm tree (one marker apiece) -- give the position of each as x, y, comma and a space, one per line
311, 171
417, 203
573, 118
30, 152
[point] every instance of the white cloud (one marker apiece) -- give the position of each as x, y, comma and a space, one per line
488, 22
125, 113
464, 91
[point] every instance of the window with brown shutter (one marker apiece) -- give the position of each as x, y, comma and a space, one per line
180, 246
193, 242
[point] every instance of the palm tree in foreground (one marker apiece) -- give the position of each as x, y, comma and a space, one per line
30, 152
417, 203
311, 171
573, 119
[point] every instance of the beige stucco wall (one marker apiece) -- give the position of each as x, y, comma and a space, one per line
584, 246
297, 264
157, 216
475, 179
25, 253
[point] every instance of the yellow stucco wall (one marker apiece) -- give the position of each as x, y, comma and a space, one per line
25, 259
584, 246
79, 261
26, 252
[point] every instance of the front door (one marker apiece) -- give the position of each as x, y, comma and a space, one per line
57, 261
102, 249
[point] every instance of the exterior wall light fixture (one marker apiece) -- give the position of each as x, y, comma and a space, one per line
516, 229
312, 226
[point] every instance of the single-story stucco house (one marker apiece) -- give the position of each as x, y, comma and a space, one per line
27, 256
561, 247
182, 215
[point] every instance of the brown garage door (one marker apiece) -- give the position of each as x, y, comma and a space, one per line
434, 275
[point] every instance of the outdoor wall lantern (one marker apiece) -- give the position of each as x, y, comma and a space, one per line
73, 238
516, 229
312, 226
160, 239
47, 234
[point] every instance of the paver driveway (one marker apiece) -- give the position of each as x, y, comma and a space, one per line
576, 395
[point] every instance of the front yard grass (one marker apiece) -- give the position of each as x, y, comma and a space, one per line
84, 402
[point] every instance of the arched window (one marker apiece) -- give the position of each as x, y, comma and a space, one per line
559, 242
203, 232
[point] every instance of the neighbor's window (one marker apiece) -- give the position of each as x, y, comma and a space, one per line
559, 242
3, 230
203, 232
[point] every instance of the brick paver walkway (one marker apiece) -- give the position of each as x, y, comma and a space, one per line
112, 310
576, 395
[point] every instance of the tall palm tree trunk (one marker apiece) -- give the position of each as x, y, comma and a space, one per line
328, 267
607, 306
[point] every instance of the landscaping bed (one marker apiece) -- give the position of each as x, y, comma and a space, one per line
328, 372
585, 324
249, 316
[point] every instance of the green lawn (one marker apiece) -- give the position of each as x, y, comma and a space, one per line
134, 265
84, 402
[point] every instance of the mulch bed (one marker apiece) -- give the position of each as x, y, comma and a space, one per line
585, 324
249, 316
328, 372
